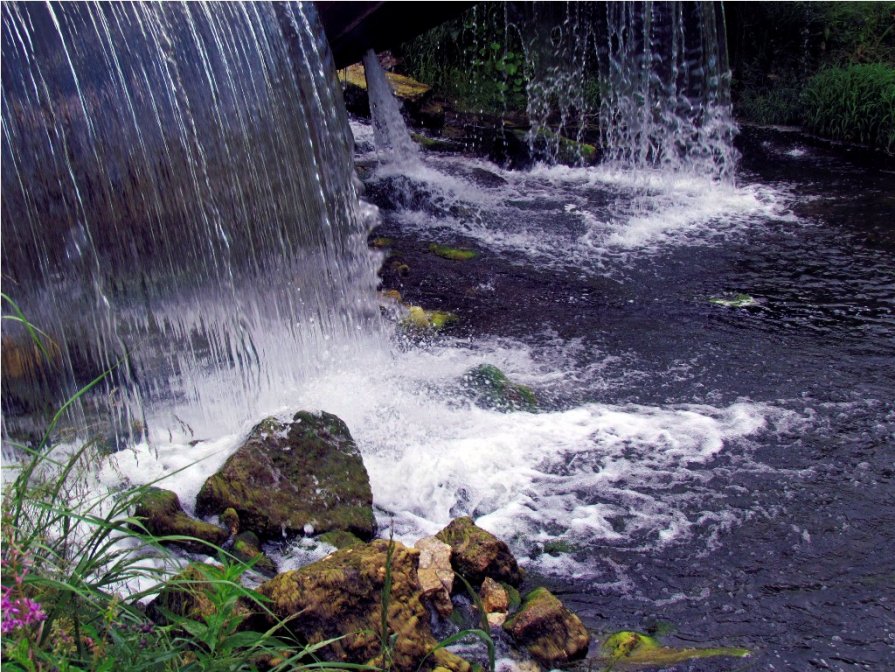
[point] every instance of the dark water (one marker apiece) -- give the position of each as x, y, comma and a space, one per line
792, 529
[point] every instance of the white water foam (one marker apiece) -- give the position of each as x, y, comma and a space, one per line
591, 475
597, 218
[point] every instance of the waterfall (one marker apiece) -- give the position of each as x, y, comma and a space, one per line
668, 101
647, 81
390, 131
177, 201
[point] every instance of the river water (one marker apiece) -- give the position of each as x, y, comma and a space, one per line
722, 474
725, 470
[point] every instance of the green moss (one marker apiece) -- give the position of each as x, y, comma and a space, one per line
476, 553
339, 599
247, 548
164, 517
636, 648
550, 632
513, 595
491, 388
289, 476
340, 539
452, 253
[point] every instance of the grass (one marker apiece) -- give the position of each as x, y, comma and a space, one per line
76, 566
854, 103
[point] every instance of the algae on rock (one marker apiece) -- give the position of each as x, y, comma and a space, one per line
452, 253
477, 554
341, 597
291, 479
550, 632
490, 388
630, 648
163, 516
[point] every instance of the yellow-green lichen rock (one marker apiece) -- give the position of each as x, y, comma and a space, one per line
295, 478
163, 516
452, 253
552, 634
631, 649
340, 597
420, 319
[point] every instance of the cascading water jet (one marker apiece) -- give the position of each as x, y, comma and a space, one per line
177, 200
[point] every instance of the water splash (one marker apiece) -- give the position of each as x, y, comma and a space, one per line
390, 131
177, 197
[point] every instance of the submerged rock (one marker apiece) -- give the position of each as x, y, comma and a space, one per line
420, 319
628, 647
477, 554
452, 253
735, 301
294, 478
490, 388
340, 597
552, 634
163, 516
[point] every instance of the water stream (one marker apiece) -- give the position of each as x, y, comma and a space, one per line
725, 470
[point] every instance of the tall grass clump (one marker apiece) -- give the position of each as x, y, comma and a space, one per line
77, 566
79, 569
854, 103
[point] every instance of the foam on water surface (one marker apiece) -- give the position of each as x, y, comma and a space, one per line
638, 476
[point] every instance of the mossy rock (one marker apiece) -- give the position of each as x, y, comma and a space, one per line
490, 388
552, 634
565, 150
476, 554
557, 547
433, 144
420, 319
452, 253
340, 598
247, 548
163, 516
628, 648
340, 539
290, 479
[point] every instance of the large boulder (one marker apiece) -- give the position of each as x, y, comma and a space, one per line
294, 478
476, 554
162, 516
341, 597
552, 634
